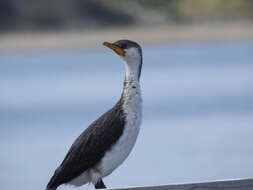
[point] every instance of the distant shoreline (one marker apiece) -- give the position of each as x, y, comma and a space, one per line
75, 39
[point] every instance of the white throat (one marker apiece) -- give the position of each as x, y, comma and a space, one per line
132, 72
132, 62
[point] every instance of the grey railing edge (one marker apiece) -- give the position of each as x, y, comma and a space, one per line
224, 184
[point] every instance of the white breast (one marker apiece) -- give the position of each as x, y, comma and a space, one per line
133, 109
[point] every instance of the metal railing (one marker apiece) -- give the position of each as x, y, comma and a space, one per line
237, 184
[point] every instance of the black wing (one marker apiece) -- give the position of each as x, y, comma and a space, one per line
89, 148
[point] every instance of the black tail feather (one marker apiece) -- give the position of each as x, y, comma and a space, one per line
52, 184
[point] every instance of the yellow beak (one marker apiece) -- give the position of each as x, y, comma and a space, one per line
115, 48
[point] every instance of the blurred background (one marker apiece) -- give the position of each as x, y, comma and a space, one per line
56, 78
65, 14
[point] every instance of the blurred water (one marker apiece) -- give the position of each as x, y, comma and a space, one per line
198, 112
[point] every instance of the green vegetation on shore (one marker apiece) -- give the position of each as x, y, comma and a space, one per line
69, 14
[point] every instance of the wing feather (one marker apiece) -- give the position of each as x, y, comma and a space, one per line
89, 148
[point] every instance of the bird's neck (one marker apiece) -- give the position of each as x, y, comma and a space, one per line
132, 78
133, 69
131, 75
131, 96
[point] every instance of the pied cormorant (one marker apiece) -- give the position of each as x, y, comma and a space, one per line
107, 142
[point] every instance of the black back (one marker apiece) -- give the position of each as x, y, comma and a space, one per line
89, 148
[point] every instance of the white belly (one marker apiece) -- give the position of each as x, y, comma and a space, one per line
118, 153
80, 180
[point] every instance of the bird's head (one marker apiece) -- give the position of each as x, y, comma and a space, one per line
130, 52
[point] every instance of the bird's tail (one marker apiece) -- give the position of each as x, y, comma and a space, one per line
51, 184
54, 188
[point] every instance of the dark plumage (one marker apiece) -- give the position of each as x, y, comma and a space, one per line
125, 44
90, 146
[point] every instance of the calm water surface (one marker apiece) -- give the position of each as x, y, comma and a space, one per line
197, 121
